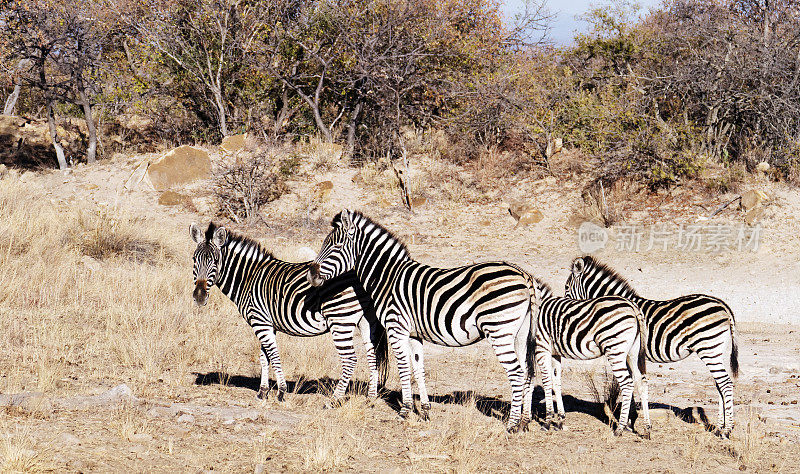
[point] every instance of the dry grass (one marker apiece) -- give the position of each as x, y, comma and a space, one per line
74, 325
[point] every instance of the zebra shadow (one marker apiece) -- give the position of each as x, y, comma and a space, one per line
303, 386
489, 406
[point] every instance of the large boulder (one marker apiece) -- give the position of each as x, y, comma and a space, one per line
233, 143
180, 166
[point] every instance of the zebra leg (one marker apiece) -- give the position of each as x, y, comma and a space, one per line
418, 363
640, 382
544, 362
619, 368
400, 347
527, 404
343, 341
363, 327
560, 413
715, 362
269, 344
263, 388
504, 350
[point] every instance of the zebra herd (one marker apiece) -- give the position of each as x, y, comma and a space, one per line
364, 278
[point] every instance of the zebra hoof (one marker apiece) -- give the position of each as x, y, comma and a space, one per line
515, 428
262, 393
405, 411
558, 425
723, 433
621, 431
423, 411
546, 426
281, 394
647, 430
525, 423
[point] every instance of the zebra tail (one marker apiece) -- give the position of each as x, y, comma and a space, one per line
734, 345
380, 341
533, 309
642, 340
734, 353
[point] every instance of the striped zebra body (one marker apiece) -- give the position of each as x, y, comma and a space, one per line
609, 326
452, 307
275, 296
699, 324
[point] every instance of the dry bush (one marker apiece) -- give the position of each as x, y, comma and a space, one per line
606, 393
103, 234
18, 453
321, 155
252, 179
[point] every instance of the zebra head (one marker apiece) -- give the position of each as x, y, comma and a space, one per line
338, 254
206, 258
576, 282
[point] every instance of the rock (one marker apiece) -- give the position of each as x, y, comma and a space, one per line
163, 412
419, 201
518, 208
233, 143
752, 199
753, 215
763, 167
90, 263
69, 439
322, 191
260, 469
305, 254
117, 395
141, 437
530, 217
171, 198
554, 146
186, 418
181, 165
3, 171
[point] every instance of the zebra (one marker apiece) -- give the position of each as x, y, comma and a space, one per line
447, 306
273, 295
676, 328
587, 329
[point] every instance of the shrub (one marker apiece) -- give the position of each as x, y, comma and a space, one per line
252, 179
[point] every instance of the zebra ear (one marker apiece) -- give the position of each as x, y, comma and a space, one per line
220, 237
346, 219
197, 234
578, 265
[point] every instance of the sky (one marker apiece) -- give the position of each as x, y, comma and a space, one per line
565, 23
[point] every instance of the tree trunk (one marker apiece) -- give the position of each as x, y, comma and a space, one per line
51, 123
11, 101
326, 132
351, 129
91, 152
220, 103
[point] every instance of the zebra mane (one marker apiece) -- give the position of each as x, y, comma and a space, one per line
361, 216
547, 291
605, 270
235, 237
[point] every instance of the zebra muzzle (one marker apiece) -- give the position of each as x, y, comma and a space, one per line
200, 293
313, 275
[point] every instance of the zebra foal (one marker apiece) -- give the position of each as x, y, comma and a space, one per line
676, 328
610, 326
446, 306
274, 296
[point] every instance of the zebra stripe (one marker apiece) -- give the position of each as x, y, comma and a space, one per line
275, 296
447, 306
584, 330
676, 328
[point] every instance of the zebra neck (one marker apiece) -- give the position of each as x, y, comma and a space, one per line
240, 258
380, 257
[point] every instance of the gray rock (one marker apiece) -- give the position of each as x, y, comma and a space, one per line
186, 418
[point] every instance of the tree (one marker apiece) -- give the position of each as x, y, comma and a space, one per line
206, 43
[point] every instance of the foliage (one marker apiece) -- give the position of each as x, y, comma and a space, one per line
253, 178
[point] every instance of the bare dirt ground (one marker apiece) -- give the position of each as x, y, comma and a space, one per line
76, 329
